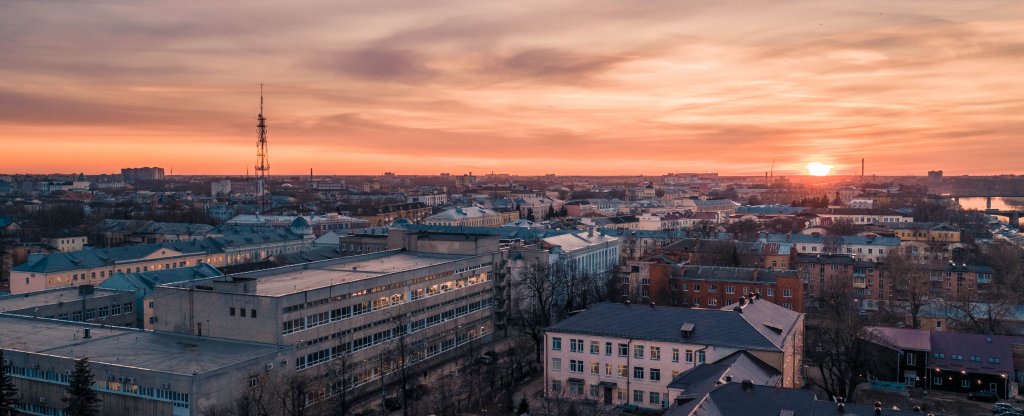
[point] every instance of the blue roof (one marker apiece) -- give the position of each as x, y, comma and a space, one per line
144, 282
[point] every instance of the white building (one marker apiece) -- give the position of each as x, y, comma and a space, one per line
66, 244
620, 353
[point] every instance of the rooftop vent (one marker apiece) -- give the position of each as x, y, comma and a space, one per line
748, 386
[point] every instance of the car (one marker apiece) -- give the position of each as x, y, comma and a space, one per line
983, 396
1004, 408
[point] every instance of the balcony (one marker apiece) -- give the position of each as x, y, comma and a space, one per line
859, 285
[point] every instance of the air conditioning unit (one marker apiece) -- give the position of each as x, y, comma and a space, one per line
165, 386
269, 366
68, 372
42, 399
35, 366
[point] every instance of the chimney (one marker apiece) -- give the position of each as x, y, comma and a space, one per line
86, 333
748, 386
743, 301
840, 408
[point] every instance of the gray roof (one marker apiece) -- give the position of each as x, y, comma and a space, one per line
150, 227
507, 233
733, 274
730, 399
50, 297
74, 260
741, 365
144, 282
752, 329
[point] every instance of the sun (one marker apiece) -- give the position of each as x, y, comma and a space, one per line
818, 169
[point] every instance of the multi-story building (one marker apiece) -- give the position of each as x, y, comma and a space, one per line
860, 216
113, 232
60, 269
320, 224
133, 175
70, 243
670, 283
381, 215
620, 353
868, 247
80, 304
925, 231
136, 372
471, 216
143, 284
359, 307
429, 199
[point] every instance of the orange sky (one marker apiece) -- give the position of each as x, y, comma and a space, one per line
529, 87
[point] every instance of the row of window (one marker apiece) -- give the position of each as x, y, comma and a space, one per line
96, 313
958, 357
113, 386
241, 312
575, 388
652, 353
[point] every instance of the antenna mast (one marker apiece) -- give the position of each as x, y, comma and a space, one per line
262, 163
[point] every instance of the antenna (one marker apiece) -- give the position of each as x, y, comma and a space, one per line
262, 162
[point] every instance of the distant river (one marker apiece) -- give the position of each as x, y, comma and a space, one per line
997, 203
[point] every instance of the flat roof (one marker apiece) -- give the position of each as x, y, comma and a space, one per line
156, 351
297, 279
51, 297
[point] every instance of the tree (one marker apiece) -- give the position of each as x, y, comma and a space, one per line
534, 300
703, 229
911, 281
8, 392
80, 398
551, 212
744, 230
529, 215
837, 342
524, 407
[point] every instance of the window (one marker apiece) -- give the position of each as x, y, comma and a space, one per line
556, 344
253, 381
242, 311
595, 347
689, 356
655, 374
787, 293
655, 397
556, 364
911, 358
957, 356
638, 396
976, 358
939, 355
730, 289
595, 368
965, 383
936, 381
575, 345
655, 353
638, 373
575, 366
675, 355
638, 351
607, 369
623, 370
938, 324
252, 314
712, 289
696, 287
771, 291
623, 350
993, 360
556, 385
608, 348
595, 391
700, 357
712, 302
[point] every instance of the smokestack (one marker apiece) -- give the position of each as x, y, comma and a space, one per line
861, 169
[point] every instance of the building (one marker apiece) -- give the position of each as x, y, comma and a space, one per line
79, 304
428, 199
136, 372
92, 267
143, 284
628, 354
951, 361
380, 215
870, 247
732, 395
925, 232
320, 224
72, 243
860, 216
471, 216
114, 232
134, 175
667, 282
359, 307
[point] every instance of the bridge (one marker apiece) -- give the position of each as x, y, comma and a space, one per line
1014, 216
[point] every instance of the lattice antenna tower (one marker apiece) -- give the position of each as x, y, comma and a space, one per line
262, 162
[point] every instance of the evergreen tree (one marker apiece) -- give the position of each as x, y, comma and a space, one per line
8, 393
551, 212
524, 407
81, 399
529, 215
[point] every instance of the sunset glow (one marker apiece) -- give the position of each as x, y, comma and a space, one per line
526, 87
818, 169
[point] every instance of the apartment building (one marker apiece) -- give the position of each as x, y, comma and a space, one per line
472, 216
665, 282
860, 216
618, 353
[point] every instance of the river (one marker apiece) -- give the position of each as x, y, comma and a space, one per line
997, 203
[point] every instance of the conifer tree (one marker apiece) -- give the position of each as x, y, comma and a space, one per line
80, 398
8, 393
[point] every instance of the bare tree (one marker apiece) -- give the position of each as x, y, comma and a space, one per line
534, 301
836, 342
911, 280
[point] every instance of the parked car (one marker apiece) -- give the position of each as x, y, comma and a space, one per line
983, 396
1005, 407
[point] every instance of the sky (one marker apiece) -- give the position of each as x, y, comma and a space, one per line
525, 87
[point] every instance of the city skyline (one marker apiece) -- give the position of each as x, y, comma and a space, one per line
527, 88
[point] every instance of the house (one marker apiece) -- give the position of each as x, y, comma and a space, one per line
619, 353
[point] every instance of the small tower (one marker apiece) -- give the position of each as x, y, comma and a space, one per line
262, 162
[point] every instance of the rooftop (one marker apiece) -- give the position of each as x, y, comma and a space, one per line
50, 297
297, 278
762, 325
158, 351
